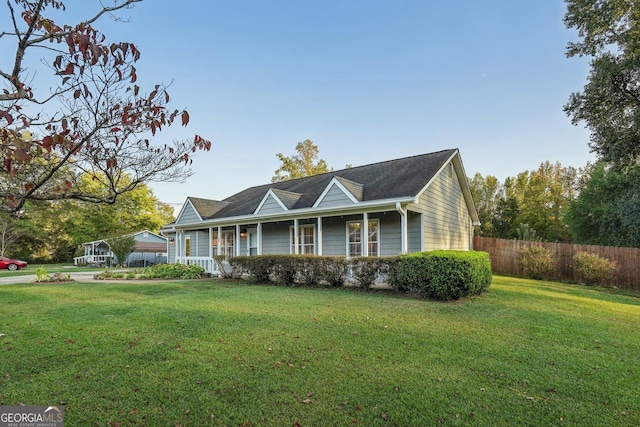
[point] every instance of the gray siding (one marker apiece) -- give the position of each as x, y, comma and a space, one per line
335, 197
171, 255
334, 232
270, 206
414, 236
201, 243
150, 237
189, 215
191, 235
390, 233
275, 238
446, 220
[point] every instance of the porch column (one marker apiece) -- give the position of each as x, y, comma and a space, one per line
248, 244
259, 237
319, 236
178, 243
219, 243
365, 234
210, 242
296, 237
237, 242
404, 246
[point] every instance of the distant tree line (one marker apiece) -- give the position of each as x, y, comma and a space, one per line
596, 205
53, 231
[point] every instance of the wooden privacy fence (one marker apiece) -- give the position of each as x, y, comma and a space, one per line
504, 259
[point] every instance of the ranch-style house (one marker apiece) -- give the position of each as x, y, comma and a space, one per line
393, 207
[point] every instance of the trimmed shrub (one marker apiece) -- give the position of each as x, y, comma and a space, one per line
537, 261
335, 270
310, 269
157, 271
365, 270
285, 269
412, 273
259, 267
172, 271
233, 272
443, 275
592, 269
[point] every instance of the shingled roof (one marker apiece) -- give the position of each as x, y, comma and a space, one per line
207, 208
391, 179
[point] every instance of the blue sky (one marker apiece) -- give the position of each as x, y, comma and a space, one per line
367, 81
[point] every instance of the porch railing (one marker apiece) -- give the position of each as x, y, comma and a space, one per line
203, 261
91, 260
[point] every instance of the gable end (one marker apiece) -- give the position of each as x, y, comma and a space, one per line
270, 204
188, 214
336, 193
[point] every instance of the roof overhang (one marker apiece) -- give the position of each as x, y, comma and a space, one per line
361, 207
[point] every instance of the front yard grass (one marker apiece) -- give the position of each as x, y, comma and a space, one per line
234, 354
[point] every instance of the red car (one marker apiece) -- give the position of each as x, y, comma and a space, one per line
12, 264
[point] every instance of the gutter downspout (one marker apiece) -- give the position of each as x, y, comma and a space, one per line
403, 229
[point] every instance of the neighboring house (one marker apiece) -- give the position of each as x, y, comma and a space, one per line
383, 209
150, 249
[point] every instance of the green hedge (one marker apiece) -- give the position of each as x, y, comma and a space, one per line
443, 275
302, 270
156, 271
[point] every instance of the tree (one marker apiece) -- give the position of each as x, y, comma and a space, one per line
54, 230
9, 232
122, 247
609, 104
507, 213
95, 121
526, 233
537, 199
544, 196
304, 163
486, 193
134, 211
607, 210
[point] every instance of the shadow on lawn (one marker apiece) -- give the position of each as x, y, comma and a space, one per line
557, 290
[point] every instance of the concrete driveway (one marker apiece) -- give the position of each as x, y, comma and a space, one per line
78, 277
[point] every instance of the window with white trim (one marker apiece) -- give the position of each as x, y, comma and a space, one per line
214, 242
354, 238
227, 243
306, 240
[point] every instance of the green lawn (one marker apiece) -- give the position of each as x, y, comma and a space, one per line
215, 353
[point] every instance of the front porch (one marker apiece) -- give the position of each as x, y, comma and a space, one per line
376, 233
207, 263
93, 260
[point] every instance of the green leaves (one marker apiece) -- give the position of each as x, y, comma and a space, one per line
122, 247
304, 163
609, 104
